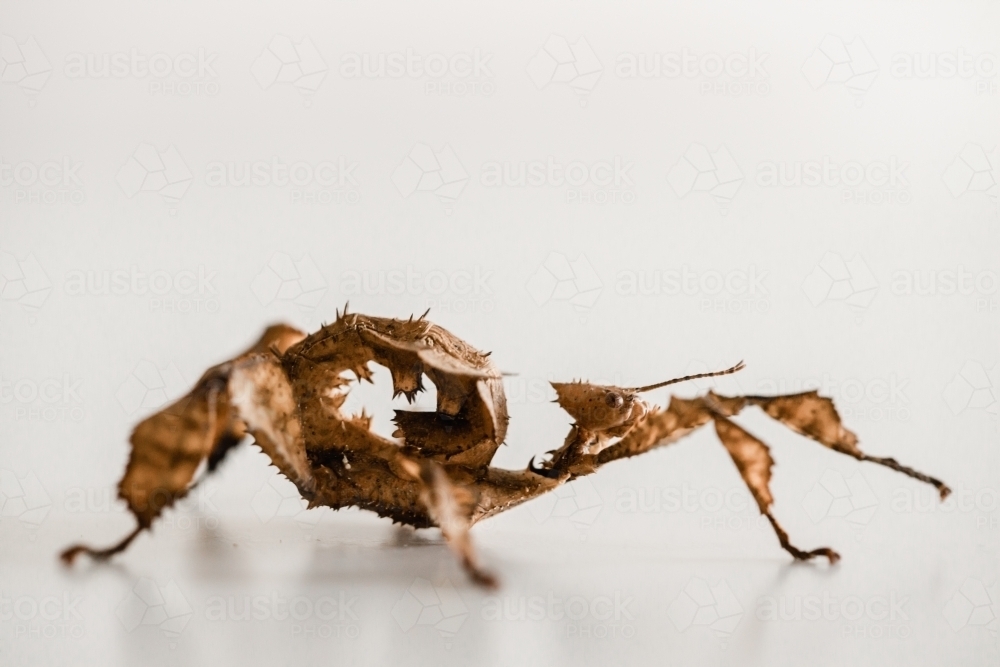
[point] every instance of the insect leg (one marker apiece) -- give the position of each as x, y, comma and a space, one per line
451, 507
816, 417
753, 460
193, 433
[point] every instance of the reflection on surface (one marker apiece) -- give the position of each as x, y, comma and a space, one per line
358, 591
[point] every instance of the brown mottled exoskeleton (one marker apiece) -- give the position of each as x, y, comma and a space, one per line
286, 392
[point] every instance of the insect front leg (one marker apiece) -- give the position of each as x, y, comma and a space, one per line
754, 462
815, 417
808, 414
575, 458
659, 428
751, 456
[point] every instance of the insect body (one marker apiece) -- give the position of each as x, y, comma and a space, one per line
286, 392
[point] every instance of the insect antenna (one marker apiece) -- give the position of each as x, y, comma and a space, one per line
637, 390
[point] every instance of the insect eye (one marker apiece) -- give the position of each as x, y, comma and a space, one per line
614, 400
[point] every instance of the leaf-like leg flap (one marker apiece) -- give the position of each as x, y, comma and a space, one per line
753, 460
451, 507
167, 449
170, 446
816, 417
262, 396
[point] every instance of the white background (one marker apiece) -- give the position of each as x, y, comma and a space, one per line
671, 536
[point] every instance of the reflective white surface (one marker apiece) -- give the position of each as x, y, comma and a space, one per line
671, 581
